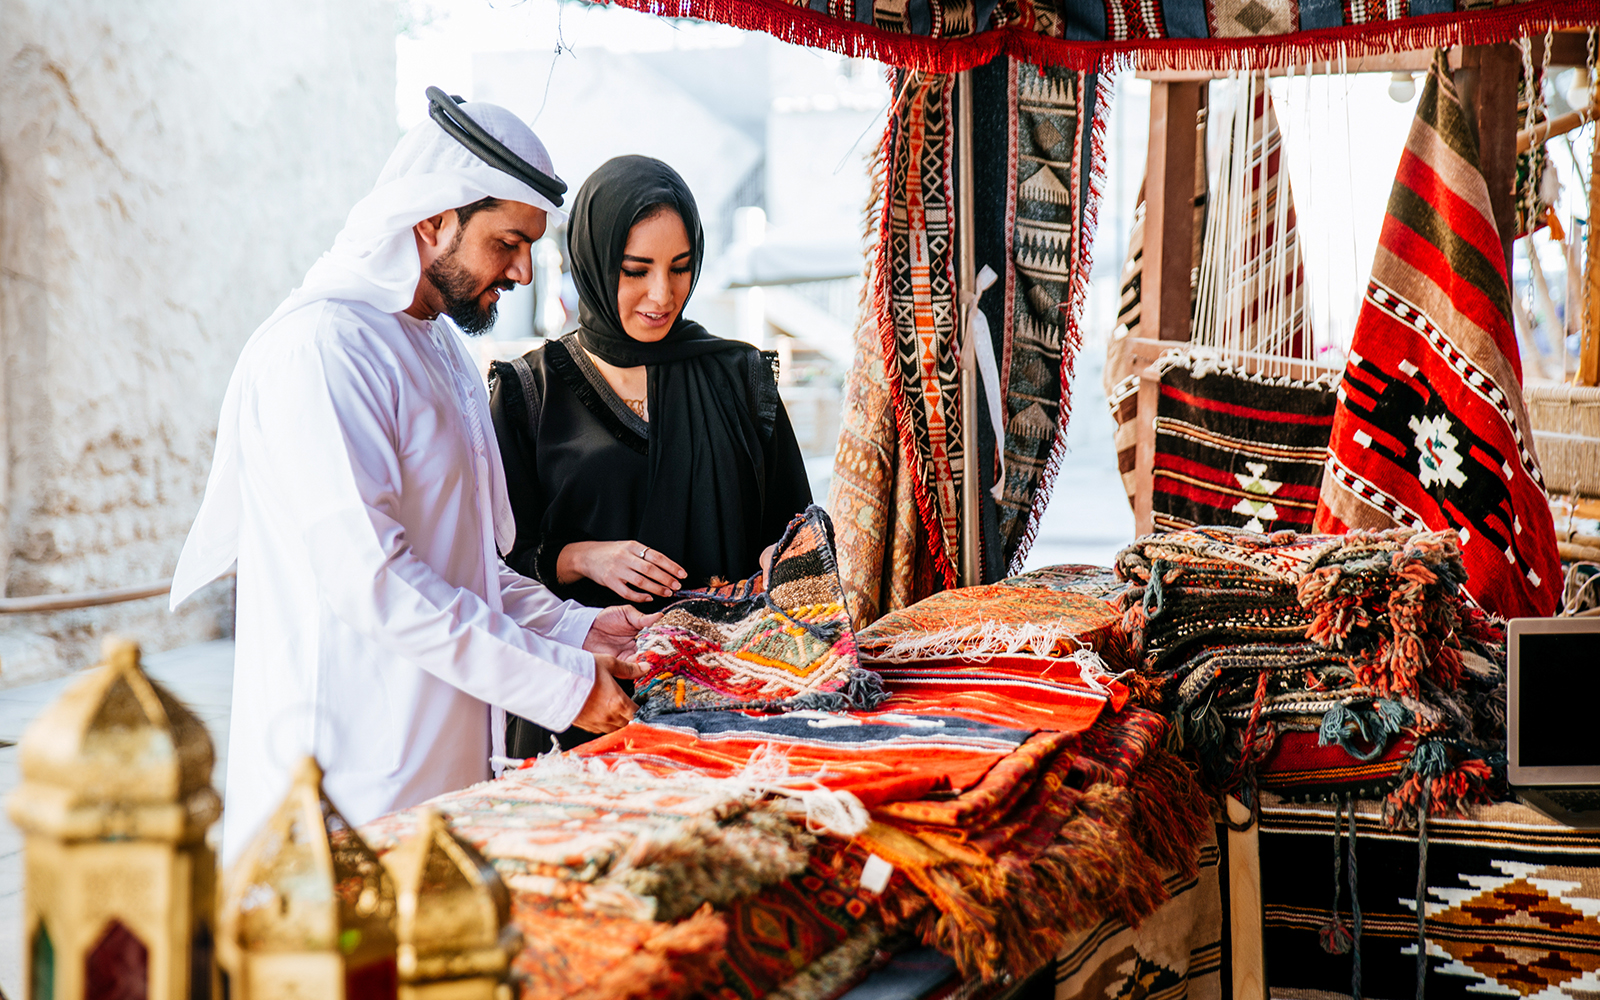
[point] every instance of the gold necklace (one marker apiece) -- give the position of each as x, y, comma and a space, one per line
638, 406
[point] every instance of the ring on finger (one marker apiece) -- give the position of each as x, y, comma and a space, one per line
642, 550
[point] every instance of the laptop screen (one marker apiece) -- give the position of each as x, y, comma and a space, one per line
1558, 699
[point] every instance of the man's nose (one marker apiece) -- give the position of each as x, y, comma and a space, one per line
521, 269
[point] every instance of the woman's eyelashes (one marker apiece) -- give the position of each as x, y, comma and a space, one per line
642, 274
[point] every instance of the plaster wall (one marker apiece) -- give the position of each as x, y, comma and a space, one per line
168, 170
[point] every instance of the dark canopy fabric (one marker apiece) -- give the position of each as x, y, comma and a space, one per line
945, 36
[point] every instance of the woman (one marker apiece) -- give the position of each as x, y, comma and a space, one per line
643, 455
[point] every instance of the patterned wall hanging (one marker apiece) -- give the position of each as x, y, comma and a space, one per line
916, 305
1052, 193
1031, 213
1431, 429
1237, 448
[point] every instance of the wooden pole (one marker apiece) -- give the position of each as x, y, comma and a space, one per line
1547, 130
971, 468
1488, 84
1169, 209
1589, 346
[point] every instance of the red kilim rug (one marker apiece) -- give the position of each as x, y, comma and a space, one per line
1431, 430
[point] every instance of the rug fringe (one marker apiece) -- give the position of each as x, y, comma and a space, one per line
1108, 860
983, 639
804, 26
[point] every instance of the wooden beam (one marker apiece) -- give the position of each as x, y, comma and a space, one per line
1144, 450
1487, 82
1169, 210
1244, 905
1589, 345
1553, 127
1567, 48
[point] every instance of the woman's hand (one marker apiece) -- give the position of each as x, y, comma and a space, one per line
766, 564
627, 568
607, 708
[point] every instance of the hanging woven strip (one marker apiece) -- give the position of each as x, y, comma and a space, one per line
915, 300
1056, 117
1031, 226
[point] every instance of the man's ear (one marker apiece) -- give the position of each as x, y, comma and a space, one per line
428, 230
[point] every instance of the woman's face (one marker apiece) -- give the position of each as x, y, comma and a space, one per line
655, 277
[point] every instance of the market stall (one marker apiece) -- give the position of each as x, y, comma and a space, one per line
1061, 782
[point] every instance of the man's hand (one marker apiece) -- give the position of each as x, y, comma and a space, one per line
612, 635
607, 708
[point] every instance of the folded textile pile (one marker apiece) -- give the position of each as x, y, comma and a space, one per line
788, 646
994, 864
1053, 840
614, 870
1318, 664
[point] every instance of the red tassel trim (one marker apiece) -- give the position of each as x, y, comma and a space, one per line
804, 26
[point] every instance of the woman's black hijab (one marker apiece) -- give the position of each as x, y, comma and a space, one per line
707, 466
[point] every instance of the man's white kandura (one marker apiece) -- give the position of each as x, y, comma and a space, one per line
357, 484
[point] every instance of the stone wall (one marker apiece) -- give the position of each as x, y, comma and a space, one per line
168, 170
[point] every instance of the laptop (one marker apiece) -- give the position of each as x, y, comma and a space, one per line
1553, 716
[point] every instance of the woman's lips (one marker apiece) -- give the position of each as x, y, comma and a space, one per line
653, 318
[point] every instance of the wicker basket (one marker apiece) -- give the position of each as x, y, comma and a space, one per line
1566, 435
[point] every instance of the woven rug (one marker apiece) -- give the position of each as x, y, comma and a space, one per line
788, 647
1234, 448
877, 764
797, 939
618, 840
951, 35
883, 555
1512, 899
1175, 953
1074, 578
1058, 694
1431, 430
977, 621
570, 954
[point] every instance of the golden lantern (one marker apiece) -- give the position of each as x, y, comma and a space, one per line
309, 910
454, 925
116, 797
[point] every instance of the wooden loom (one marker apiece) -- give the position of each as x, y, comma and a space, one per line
1487, 76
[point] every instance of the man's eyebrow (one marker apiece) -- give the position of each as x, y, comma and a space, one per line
519, 234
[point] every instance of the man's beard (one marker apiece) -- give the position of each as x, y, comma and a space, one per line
458, 288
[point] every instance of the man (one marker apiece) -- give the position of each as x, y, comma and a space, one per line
357, 485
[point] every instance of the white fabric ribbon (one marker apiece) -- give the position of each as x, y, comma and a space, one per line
988, 370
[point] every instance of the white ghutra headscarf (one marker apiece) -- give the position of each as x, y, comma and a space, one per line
373, 260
